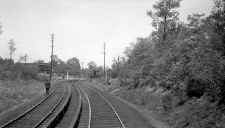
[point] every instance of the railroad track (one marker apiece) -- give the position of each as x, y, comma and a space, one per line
77, 107
72, 112
85, 113
102, 114
132, 116
35, 116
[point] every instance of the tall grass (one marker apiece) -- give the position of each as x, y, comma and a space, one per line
13, 93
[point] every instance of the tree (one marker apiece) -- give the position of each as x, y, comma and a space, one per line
121, 70
92, 69
56, 60
23, 58
116, 66
12, 48
92, 65
59, 65
74, 66
217, 19
165, 15
39, 61
73, 61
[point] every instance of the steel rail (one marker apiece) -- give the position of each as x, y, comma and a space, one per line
113, 108
110, 104
107, 102
89, 106
65, 96
27, 111
78, 110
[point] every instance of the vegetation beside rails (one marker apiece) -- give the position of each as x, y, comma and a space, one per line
164, 106
13, 93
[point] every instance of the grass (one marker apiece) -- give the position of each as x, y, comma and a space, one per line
163, 106
13, 93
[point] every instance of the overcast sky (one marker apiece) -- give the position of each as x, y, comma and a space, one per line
80, 26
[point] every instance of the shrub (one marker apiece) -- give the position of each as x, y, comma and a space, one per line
19, 71
195, 88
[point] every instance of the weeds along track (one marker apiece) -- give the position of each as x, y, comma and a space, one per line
102, 114
43, 113
132, 116
76, 106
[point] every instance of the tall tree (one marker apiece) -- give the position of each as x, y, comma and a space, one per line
164, 15
218, 19
74, 66
92, 69
92, 65
12, 48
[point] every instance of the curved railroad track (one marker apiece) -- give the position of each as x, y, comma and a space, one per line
132, 116
71, 113
102, 114
36, 115
77, 107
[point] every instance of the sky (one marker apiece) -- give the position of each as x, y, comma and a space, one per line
80, 26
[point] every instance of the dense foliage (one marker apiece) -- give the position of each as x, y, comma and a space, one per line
12, 71
72, 66
178, 71
177, 56
9, 70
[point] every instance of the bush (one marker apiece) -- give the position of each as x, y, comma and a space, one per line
199, 114
195, 88
166, 101
19, 71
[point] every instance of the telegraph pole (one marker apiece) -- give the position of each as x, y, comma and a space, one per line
104, 63
51, 68
82, 69
118, 63
25, 58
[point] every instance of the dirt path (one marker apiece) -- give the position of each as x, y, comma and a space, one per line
147, 114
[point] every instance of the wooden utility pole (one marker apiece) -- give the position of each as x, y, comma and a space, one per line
82, 69
104, 63
52, 48
118, 63
25, 58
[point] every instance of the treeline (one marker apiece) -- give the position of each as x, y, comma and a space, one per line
72, 66
10, 70
93, 71
39, 70
13, 71
187, 58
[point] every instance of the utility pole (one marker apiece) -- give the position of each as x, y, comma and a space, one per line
82, 69
51, 68
104, 63
118, 63
67, 75
25, 58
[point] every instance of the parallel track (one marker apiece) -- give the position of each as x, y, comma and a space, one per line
103, 114
74, 107
85, 114
34, 116
126, 111
55, 115
69, 119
